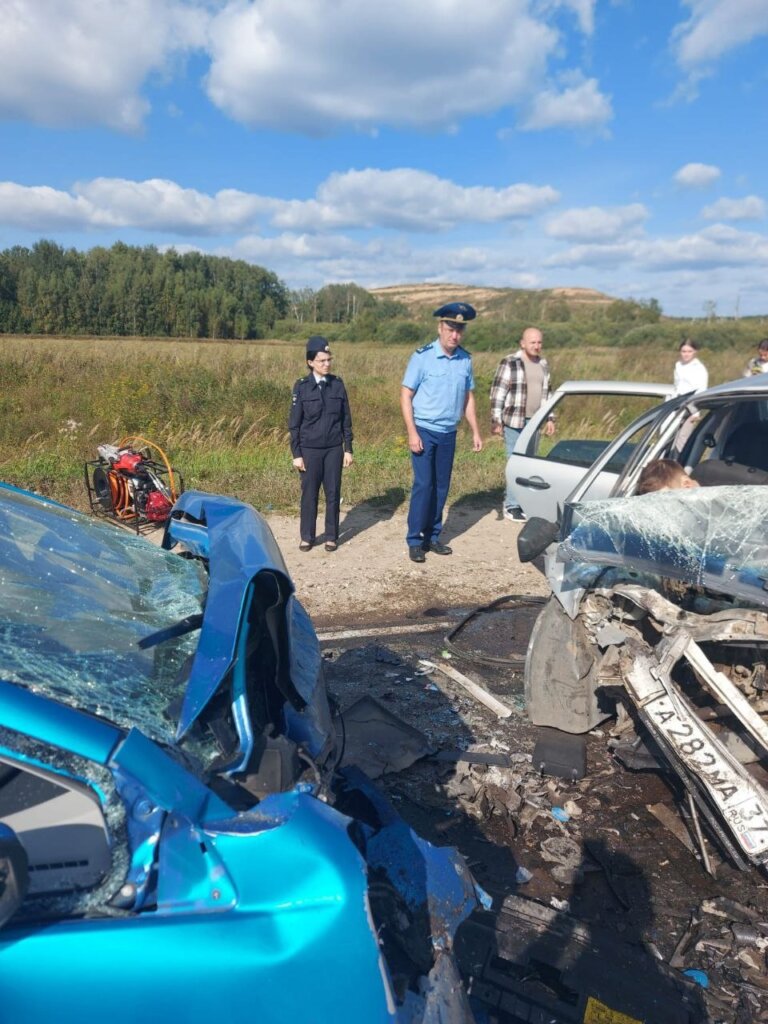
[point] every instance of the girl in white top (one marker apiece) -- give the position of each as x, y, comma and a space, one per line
690, 373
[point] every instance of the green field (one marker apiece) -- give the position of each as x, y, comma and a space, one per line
219, 409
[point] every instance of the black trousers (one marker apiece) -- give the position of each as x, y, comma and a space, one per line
321, 466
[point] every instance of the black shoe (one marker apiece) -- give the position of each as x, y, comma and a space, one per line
417, 554
514, 513
437, 548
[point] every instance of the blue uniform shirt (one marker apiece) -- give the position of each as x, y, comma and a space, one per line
441, 384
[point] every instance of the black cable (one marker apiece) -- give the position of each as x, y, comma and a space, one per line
517, 659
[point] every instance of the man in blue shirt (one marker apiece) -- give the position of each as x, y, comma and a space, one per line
437, 390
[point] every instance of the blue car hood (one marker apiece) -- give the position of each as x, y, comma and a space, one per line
81, 597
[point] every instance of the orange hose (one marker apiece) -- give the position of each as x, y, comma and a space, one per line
121, 498
130, 441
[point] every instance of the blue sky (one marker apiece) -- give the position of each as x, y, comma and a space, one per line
609, 144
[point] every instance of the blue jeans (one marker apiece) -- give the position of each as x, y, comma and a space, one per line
432, 470
511, 435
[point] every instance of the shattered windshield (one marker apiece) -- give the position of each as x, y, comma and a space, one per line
713, 537
77, 596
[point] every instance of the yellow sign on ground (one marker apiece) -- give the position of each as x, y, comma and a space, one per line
598, 1013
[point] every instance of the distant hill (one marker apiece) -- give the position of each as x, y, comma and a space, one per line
422, 298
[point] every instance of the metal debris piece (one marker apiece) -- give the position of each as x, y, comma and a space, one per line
609, 634
500, 800
722, 906
672, 822
686, 940
713, 945
750, 959
699, 836
561, 754
748, 935
757, 978
378, 741
491, 702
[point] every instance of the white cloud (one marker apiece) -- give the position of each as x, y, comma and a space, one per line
716, 247
715, 27
578, 105
598, 223
161, 205
40, 208
315, 65
156, 205
697, 175
76, 62
404, 199
410, 200
746, 208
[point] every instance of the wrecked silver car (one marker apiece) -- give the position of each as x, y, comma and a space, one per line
659, 612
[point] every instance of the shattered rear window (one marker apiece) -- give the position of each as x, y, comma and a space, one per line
713, 537
77, 596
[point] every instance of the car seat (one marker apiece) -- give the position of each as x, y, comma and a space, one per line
748, 445
744, 459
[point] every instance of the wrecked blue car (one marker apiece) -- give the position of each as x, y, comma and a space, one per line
175, 837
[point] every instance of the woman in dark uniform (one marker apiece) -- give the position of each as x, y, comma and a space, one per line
320, 425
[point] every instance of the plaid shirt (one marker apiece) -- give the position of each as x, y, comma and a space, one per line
509, 392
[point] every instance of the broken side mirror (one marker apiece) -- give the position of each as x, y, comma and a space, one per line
14, 873
535, 537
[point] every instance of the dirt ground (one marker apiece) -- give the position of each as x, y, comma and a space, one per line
370, 576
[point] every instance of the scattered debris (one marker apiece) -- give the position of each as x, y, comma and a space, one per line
610, 862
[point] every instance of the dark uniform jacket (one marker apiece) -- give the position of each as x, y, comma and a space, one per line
320, 416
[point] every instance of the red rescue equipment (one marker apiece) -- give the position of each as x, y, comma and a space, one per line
127, 484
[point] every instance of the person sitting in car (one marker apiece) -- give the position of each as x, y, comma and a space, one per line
663, 475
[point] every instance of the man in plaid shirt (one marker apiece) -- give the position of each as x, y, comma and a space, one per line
519, 389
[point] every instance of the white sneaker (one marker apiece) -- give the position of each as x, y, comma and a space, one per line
514, 513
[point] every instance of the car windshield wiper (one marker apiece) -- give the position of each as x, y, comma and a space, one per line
180, 628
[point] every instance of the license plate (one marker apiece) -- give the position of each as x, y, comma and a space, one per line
743, 803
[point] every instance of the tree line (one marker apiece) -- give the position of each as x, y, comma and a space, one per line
139, 291
132, 290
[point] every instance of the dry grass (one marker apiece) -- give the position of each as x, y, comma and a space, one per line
220, 411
